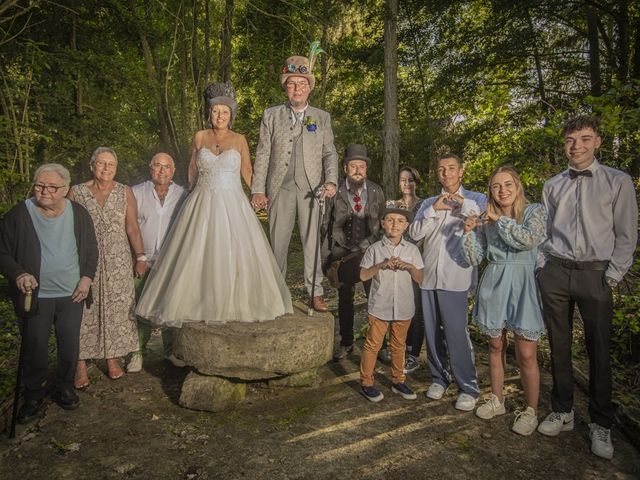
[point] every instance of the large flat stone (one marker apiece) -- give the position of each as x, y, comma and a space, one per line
253, 351
212, 394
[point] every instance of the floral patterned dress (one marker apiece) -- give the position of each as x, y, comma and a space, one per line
507, 296
108, 328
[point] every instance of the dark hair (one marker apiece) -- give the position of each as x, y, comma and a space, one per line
414, 173
449, 155
581, 121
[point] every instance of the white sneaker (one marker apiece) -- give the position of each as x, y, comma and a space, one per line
525, 422
491, 408
135, 364
177, 362
466, 402
601, 441
555, 423
435, 391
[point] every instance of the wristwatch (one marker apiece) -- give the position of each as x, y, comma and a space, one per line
142, 258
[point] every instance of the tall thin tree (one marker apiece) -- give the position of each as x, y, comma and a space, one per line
391, 133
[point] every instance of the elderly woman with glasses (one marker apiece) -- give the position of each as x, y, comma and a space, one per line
109, 328
49, 254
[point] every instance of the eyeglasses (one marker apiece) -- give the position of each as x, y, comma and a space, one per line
109, 165
39, 187
156, 166
298, 85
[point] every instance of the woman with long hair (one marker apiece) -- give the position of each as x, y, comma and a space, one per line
508, 235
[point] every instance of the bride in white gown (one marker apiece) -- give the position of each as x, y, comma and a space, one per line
216, 264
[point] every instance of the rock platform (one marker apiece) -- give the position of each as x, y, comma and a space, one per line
286, 351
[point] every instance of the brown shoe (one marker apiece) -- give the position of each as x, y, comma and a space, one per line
319, 305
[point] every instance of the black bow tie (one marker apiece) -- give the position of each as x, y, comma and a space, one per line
573, 174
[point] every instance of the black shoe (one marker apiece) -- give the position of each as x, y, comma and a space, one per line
66, 399
29, 410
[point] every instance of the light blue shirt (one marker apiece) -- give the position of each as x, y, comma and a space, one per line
59, 267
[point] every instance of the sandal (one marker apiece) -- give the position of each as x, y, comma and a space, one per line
81, 380
114, 371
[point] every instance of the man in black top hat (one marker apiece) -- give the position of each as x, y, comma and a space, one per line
354, 223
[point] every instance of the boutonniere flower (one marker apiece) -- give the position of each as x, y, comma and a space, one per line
311, 124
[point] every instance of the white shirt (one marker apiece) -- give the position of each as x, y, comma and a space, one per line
592, 218
155, 217
445, 267
391, 294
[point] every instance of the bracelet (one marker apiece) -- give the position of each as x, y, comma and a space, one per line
141, 258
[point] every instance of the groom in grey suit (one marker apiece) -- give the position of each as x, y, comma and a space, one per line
295, 156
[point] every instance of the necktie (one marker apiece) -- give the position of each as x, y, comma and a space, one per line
299, 117
573, 174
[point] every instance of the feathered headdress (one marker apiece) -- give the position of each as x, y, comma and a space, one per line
315, 50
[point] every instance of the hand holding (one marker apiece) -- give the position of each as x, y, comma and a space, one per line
26, 283
471, 222
82, 290
259, 201
402, 265
492, 216
442, 203
329, 190
140, 268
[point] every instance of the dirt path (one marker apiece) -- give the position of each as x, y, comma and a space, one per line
133, 428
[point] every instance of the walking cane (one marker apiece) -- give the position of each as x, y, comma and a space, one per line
318, 193
16, 394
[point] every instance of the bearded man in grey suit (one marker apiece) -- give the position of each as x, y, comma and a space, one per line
295, 156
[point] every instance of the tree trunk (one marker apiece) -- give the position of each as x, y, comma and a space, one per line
594, 52
78, 80
622, 50
152, 77
536, 58
326, 7
225, 44
207, 43
391, 134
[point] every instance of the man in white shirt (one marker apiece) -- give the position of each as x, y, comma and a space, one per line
158, 202
446, 283
591, 236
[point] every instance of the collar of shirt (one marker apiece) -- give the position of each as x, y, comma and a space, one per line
460, 191
293, 114
346, 182
155, 192
592, 168
388, 243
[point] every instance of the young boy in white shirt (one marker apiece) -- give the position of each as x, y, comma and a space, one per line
392, 263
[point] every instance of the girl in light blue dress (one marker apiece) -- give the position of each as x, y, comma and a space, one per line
508, 236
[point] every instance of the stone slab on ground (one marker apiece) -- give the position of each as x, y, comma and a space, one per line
211, 394
253, 351
302, 379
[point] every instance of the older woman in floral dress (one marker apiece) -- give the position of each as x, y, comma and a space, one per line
109, 326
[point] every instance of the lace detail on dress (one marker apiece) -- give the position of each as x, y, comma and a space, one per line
474, 246
218, 171
527, 235
531, 335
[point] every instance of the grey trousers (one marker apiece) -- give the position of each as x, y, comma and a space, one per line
282, 217
448, 341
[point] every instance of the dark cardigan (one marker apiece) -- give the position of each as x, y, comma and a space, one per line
20, 250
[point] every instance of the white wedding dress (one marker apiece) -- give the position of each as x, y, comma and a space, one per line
216, 265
